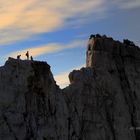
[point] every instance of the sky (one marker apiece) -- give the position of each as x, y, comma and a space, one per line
57, 31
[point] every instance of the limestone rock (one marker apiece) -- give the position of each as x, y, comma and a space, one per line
104, 97
101, 103
31, 106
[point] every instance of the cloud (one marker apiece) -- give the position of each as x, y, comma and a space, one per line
62, 78
21, 20
49, 48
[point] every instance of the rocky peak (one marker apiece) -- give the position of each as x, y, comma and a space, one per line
101, 49
101, 103
28, 98
106, 92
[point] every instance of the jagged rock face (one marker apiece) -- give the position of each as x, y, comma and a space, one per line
31, 106
101, 103
104, 97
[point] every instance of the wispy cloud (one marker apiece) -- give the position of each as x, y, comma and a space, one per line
62, 78
20, 20
49, 48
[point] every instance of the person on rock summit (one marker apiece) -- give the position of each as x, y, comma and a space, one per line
31, 58
27, 55
18, 56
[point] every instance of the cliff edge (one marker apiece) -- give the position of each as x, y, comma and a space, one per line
101, 103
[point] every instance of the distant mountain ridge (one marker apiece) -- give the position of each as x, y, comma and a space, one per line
101, 103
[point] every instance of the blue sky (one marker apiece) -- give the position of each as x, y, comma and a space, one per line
57, 31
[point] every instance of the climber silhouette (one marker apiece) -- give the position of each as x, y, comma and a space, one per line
18, 56
31, 58
27, 55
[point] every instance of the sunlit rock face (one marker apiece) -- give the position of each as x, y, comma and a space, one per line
101, 103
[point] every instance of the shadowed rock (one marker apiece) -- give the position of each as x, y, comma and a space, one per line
101, 103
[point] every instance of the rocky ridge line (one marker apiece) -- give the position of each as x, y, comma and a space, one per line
101, 103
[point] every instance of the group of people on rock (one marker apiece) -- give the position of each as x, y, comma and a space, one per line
27, 55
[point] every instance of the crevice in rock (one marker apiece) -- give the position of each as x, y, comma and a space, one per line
109, 119
9, 127
127, 92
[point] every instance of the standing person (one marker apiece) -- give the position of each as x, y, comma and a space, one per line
31, 58
18, 56
27, 55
